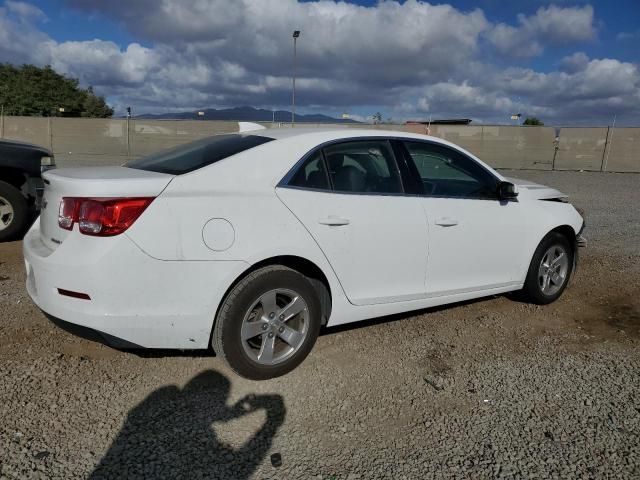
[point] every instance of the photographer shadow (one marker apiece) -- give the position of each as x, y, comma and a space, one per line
170, 434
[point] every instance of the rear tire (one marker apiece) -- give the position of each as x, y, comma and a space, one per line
14, 212
550, 269
256, 331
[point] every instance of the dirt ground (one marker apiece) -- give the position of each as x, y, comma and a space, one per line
487, 389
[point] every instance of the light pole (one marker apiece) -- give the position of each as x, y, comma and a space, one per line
296, 34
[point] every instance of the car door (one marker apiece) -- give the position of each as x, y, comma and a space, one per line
350, 197
475, 239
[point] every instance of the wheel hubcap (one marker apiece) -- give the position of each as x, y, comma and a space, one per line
553, 270
6, 213
275, 326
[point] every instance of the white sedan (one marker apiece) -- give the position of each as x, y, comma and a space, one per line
250, 242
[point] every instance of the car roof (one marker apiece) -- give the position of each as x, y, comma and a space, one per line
334, 132
318, 136
304, 138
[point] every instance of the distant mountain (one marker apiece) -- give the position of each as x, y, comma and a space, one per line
247, 114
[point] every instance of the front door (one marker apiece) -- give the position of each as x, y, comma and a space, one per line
475, 239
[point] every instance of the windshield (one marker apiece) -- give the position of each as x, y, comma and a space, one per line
192, 156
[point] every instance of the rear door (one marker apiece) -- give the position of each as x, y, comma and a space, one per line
350, 197
475, 239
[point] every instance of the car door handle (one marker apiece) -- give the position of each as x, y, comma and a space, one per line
333, 221
447, 222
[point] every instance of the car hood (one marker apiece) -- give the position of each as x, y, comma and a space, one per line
535, 190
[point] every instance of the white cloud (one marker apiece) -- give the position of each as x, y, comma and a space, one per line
381, 45
576, 62
240, 52
101, 62
585, 91
625, 36
25, 10
549, 26
19, 34
599, 78
464, 100
408, 59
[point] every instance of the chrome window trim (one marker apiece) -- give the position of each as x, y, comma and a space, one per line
463, 154
284, 183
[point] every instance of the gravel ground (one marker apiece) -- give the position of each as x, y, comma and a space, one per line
486, 389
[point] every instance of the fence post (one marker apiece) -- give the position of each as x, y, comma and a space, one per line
50, 128
128, 140
556, 147
604, 152
2, 121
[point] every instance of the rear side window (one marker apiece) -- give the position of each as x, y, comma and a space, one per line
312, 174
192, 156
363, 167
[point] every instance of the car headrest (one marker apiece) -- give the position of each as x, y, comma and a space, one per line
349, 179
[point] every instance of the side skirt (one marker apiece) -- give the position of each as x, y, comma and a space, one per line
348, 313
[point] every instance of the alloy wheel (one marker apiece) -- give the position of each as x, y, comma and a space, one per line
275, 326
6, 213
553, 270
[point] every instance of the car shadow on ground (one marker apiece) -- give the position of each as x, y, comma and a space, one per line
171, 433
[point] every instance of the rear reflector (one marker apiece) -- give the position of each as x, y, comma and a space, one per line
103, 217
70, 293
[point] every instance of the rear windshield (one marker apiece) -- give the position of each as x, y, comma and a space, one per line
192, 156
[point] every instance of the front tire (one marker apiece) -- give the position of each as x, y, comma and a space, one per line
14, 212
550, 269
268, 323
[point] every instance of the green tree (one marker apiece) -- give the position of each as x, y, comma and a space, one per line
33, 91
95, 106
533, 121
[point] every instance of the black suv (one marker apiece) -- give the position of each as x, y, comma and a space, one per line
21, 167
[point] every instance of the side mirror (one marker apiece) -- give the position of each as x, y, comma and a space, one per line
507, 191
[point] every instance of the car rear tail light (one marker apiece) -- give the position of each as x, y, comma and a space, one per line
68, 212
103, 217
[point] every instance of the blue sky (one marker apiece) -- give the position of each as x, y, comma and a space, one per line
564, 61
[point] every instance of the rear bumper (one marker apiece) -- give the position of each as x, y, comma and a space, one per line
93, 335
135, 300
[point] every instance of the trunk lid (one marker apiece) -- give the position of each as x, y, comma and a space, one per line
92, 182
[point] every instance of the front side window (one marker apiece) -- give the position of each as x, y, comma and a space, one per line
363, 167
192, 156
444, 172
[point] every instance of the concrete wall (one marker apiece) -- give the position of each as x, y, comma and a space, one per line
500, 146
520, 147
581, 149
623, 150
90, 141
150, 136
84, 141
27, 129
